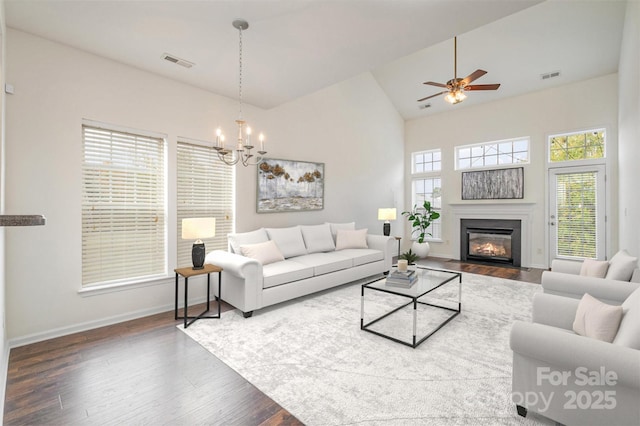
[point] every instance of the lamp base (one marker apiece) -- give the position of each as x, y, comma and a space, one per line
197, 255
386, 229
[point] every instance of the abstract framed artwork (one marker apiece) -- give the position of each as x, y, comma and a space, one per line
500, 184
287, 185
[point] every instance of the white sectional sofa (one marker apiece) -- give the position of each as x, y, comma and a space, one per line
272, 265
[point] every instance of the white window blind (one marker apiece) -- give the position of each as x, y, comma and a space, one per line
576, 199
205, 189
123, 207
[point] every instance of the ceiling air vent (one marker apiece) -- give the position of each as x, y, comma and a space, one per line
176, 60
424, 106
549, 75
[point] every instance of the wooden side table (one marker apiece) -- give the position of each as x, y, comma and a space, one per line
188, 272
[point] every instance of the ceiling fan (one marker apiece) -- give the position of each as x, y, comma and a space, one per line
457, 86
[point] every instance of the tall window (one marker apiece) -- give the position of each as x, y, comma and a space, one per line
426, 167
589, 145
123, 206
488, 154
205, 189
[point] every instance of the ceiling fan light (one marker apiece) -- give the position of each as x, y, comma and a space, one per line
450, 97
460, 96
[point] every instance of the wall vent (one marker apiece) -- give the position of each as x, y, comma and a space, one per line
549, 75
176, 60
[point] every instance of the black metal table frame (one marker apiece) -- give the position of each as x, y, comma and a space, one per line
414, 300
193, 319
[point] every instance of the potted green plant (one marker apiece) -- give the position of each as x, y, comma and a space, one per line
409, 256
420, 219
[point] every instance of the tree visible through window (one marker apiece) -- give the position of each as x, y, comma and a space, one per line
588, 145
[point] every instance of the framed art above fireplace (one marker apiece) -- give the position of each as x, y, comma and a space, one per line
496, 184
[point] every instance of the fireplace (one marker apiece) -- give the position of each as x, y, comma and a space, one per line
495, 241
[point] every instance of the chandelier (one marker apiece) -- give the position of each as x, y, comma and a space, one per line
242, 152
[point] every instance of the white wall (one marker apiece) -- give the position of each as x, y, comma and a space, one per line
572, 107
354, 129
629, 130
4, 349
57, 86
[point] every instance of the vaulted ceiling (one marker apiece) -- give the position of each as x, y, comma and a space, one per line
295, 47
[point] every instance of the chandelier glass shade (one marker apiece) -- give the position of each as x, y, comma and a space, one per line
241, 153
455, 96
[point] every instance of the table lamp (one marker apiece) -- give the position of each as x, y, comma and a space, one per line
195, 229
387, 215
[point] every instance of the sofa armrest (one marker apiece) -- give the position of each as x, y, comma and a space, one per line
569, 285
567, 351
385, 244
554, 311
566, 266
235, 264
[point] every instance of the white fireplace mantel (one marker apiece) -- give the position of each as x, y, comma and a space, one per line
522, 211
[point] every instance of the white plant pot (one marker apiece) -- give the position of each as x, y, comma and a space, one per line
420, 249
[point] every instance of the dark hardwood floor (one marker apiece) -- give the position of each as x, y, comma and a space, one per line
146, 371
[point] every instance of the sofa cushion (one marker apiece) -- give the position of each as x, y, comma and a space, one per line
253, 237
285, 272
362, 256
318, 238
594, 268
351, 239
324, 263
350, 226
264, 253
597, 319
621, 266
629, 330
288, 240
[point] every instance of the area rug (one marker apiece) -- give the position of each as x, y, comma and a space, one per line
310, 356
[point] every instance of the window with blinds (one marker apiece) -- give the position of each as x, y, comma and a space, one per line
576, 199
205, 189
123, 207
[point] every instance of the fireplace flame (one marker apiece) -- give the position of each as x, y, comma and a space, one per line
488, 249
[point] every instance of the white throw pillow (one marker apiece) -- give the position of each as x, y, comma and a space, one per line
594, 268
253, 237
351, 239
629, 331
318, 238
288, 240
351, 226
596, 319
621, 266
264, 253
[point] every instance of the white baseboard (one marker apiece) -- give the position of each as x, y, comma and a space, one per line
90, 325
5, 373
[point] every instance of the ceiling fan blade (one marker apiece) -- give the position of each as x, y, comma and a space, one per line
473, 76
431, 83
482, 87
432, 96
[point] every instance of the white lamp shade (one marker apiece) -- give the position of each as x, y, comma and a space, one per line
198, 227
387, 214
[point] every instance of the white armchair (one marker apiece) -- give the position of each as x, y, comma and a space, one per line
564, 279
574, 379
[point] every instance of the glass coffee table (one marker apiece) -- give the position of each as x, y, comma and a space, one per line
425, 300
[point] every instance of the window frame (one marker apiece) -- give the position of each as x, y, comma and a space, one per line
483, 155
581, 161
219, 242
428, 175
144, 279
